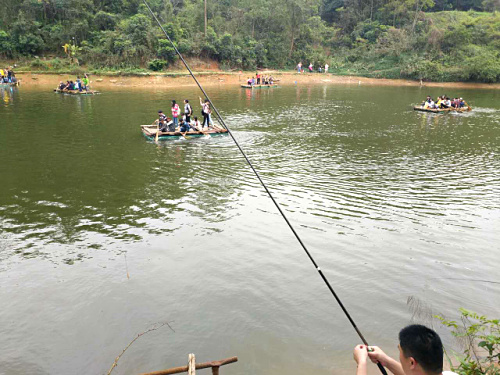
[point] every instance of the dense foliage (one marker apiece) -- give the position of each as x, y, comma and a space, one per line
419, 39
480, 339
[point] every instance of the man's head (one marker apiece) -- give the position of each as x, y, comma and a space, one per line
420, 350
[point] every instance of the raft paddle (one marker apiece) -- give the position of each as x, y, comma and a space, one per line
221, 120
157, 123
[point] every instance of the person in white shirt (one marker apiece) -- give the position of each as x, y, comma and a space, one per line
188, 111
197, 124
429, 103
420, 353
326, 68
206, 111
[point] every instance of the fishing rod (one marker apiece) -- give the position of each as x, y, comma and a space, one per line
382, 369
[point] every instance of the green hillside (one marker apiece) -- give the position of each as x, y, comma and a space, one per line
440, 40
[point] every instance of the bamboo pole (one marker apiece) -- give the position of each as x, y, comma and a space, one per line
199, 366
191, 364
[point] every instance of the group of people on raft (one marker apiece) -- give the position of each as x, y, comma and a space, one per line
443, 102
266, 80
7, 76
184, 123
79, 85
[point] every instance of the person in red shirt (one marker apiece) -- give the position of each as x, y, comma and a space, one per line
257, 75
175, 113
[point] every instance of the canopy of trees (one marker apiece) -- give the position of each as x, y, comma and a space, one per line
421, 39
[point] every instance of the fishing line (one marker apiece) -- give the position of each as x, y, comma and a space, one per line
382, 369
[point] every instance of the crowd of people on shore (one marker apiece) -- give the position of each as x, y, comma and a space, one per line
7, 75
82, 84
260, 80
185, 122
443, 102
321, 69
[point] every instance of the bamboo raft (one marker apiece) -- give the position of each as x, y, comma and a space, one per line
76, 92
443, 110
150, 131
258, 86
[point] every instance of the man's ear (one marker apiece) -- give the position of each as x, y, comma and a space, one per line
412, 362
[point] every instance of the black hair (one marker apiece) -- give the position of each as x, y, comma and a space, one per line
424, 345
196, 119
187, 101
160, 111
173, 103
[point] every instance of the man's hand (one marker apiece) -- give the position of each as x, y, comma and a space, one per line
377, 355
361, 357
360, 354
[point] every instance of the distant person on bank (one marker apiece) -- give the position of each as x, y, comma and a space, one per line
420, 353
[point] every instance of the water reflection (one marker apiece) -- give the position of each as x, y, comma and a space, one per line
125, 201
8, 95
334, 155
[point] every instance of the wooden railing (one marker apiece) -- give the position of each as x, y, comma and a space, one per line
193, 366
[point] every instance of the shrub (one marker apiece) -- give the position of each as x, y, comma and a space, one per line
38, 64
166, 51
480, 337
6, 46
77, 71
485, 67
157, 65
55, 63
105, 21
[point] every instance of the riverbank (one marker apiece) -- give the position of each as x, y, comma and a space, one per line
175, 79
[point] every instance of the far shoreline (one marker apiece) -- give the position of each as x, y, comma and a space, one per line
156, 81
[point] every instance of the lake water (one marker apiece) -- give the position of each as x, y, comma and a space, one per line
104, 233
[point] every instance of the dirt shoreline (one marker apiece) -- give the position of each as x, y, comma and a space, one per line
159, 81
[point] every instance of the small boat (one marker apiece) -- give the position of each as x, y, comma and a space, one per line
76, 92
442, 110
257, 86
150, 131
9, 84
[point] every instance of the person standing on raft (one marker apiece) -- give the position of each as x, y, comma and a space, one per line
175, 113
205, 111
188, 111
